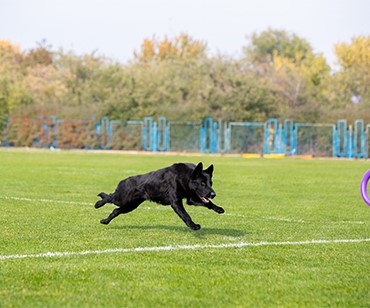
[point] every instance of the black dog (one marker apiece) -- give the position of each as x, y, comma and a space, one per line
166, 186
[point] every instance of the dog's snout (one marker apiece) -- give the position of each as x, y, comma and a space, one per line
213, 194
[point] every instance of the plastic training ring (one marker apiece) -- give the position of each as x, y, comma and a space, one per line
363, 187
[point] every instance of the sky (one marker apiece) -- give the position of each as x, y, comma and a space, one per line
116, 28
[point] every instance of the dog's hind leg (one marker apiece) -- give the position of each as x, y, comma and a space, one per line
112, 215
105, 199
122, 210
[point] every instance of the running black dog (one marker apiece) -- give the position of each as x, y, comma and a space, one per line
166, 186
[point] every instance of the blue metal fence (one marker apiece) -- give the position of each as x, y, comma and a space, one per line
208, 136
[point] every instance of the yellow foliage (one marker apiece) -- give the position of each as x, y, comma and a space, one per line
355, 53
9, 48
181, 47
354, 77
45, 83
147, 49
11, 55
166, 49
311, 69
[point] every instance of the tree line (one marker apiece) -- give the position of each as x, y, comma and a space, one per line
278, 75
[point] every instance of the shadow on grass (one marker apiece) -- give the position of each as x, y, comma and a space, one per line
204, 231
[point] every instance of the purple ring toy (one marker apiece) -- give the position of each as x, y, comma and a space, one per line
363, 187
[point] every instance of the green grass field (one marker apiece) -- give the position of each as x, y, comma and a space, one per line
273, 207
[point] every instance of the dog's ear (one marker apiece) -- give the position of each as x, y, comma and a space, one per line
198, 170
209, 170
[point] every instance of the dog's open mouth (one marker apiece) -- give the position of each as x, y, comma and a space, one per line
204, 199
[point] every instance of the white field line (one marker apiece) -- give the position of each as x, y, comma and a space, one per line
284, 219
176, 248
43, 200
267, 218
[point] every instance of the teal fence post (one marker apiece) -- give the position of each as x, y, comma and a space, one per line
359, 139
227, 147
271, 135
147, 140
222, 136
288, 137
162, 134
350, 143
154, 137
207, 136
54, 142
279, 140
341, 135
214, 138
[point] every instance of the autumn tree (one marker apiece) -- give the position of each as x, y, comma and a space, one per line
294, 72
41, 55
265, 46
13, 92
349, 89
43, 79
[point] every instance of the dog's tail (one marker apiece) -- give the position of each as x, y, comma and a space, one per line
105, 199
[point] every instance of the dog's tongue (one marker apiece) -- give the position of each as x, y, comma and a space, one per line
205, 200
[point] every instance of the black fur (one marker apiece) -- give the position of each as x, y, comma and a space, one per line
166, 186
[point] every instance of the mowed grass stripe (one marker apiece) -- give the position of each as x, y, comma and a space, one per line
179, 247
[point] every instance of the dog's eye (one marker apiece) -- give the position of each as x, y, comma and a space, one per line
203, 184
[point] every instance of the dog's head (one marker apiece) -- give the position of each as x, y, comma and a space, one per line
201, 183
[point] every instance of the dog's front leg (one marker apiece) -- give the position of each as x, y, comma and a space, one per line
179, 210
210, 205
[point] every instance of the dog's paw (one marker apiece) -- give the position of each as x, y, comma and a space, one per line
195, 227
99, 204
102, 195
219, 210
104, 221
